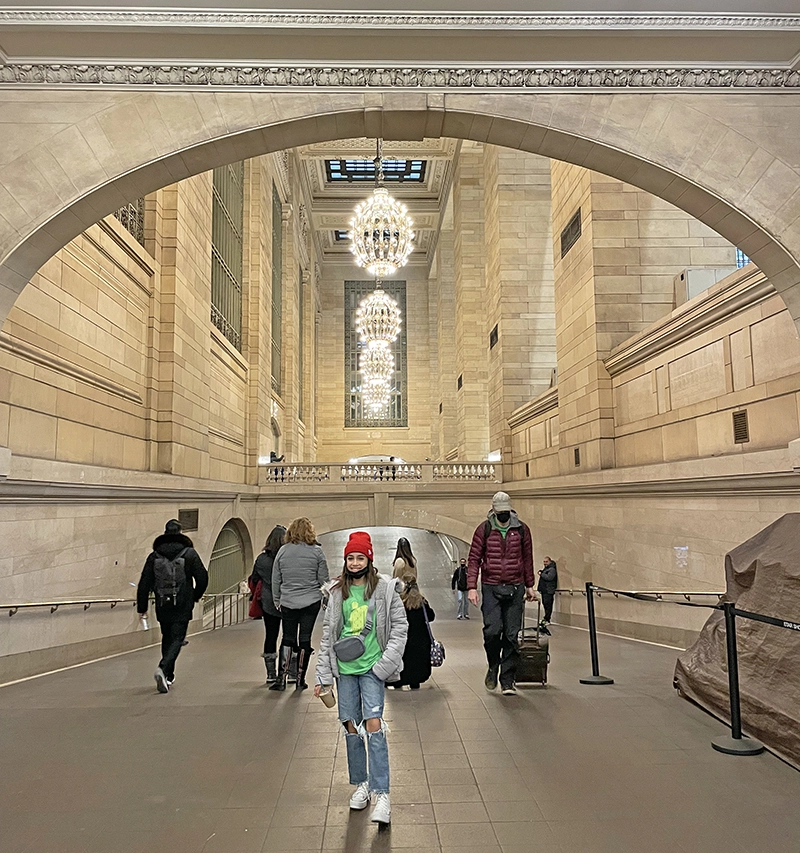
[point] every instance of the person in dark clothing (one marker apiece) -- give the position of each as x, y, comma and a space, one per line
502, 555
547, 586
459, 585
262, 571
177, 576
417, 653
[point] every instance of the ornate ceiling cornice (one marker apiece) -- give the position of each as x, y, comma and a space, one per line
227, 76
243, 18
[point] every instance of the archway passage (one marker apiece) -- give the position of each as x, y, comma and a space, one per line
94, 151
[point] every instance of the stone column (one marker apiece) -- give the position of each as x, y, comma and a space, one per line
472, 409
290, 445
185, 340
519, 285
445, 427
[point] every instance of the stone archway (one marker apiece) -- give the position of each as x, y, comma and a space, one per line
91, 151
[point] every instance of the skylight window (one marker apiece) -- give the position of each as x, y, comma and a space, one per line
394, 171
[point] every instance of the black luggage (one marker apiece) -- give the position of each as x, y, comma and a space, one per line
534, 653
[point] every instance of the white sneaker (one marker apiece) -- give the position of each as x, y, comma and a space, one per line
360, 798
162, 685
382, 813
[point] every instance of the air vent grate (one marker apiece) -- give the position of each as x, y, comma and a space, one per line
460, 381
577, 455
741, 430
571, 233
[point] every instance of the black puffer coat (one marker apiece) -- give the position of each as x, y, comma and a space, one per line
262, 571
417, 654
169, 545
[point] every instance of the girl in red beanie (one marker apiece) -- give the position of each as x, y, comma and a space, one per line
363, 637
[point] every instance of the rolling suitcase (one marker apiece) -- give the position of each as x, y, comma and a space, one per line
534, 653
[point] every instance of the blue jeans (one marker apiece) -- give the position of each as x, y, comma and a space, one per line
463, 603
360, 699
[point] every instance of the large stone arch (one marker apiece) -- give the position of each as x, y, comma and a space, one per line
731, 161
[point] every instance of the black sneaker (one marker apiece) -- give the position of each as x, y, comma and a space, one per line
162, 685
490, 682
508, 690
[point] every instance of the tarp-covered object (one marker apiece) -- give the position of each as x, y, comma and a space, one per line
762, 576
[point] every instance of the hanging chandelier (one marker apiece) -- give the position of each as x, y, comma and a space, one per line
378, 317
381, 231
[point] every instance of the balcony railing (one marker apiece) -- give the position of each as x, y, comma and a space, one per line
386, 472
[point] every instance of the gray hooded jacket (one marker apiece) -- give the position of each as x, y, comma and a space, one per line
391, 626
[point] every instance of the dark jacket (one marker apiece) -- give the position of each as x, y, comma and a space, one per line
262, 571
500, 560
417, 654
169, 545
459, 578
548, 579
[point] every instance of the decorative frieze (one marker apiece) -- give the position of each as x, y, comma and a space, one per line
317, 77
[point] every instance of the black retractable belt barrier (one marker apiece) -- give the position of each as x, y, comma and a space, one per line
595, 677
735, 744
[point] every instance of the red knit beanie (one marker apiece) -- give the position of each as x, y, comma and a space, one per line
359, 543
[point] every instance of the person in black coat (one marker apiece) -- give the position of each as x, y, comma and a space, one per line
459, 585
262, 571
174, 606
548, 584
417, 654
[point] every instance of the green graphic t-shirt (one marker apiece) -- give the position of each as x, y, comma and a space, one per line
354, 611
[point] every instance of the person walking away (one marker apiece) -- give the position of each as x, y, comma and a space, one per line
298, 575
547, 586
262, 571
403, 557
459, 586
501, 555
417, 654
177, 576
366, 614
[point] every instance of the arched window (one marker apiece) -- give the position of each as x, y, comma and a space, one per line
227, 568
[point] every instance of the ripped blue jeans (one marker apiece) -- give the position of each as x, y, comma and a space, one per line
360, 699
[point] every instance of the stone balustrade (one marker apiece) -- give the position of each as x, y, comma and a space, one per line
406, 472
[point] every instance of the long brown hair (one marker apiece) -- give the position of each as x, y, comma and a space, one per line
411, 597
301, 531
403, 552
346, 581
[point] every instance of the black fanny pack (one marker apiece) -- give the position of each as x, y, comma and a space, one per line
349, 649
505, 591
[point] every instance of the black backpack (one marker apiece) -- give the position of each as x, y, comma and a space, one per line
170, 578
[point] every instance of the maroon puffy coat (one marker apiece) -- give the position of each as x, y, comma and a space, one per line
500, 560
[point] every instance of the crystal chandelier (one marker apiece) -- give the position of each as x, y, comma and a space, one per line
378, 317
381, 231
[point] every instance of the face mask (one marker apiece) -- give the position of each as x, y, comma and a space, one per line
503, 517
359, 574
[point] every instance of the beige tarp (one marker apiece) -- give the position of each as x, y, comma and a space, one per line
762, 576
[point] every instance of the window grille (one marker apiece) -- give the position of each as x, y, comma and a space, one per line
354, 414
300, 341
493, 338
394, 171
227, 247
277, 290
460, 382
741, 429
577, 456
741, 259
570, 234
132, 218
226, 568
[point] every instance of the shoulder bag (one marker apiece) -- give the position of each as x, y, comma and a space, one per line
437, 649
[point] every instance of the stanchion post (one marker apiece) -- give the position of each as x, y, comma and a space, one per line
735, 744
595, 677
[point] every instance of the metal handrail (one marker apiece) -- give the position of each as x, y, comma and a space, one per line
54, 605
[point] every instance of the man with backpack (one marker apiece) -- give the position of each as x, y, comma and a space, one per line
502, 554
177, 576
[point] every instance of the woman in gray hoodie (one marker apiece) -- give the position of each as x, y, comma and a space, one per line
298, 575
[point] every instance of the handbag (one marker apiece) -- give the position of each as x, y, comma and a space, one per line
437, 649
255, 611
348, 649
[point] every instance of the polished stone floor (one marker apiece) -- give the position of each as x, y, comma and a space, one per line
95, 761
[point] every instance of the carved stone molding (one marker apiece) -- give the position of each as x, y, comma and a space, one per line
245, 18
226, 76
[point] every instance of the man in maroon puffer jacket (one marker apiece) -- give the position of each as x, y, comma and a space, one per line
502, 554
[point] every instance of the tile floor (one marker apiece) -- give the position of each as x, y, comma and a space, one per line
95, 761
